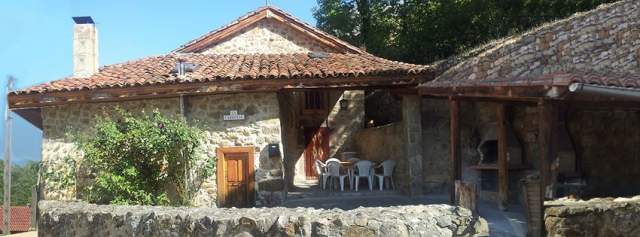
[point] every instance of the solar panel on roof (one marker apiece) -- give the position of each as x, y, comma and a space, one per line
82, 20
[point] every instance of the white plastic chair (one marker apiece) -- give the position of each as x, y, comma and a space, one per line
364, 169
333, 172
350, 170
387, 172
321, 170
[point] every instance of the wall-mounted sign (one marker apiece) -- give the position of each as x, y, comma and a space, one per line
233, 115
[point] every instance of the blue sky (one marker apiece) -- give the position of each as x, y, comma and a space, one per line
36, 39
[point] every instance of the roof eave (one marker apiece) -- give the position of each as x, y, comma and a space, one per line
38, 100
531, 92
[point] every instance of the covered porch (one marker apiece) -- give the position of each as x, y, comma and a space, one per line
566, 140
341, 132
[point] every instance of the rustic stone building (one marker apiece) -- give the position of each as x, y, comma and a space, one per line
268, 87
559, 102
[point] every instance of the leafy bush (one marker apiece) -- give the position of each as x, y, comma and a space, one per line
140, 159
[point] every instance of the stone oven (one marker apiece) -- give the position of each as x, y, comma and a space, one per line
488, 150
488, 146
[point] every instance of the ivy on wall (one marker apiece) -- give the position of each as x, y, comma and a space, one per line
60, 176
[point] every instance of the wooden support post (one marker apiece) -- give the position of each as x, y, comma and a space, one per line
503, 163
456, 160
546, 120
545, 123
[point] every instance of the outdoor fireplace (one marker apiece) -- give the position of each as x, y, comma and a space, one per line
488, 152
488, 148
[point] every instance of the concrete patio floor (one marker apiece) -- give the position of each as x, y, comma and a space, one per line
511, 222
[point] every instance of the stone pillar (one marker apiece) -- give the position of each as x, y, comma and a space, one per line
412, 122
290, 147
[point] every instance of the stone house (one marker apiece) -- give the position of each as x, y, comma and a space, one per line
559, 102
271, 92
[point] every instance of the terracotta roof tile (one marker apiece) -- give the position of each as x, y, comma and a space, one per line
20, 219
210, 68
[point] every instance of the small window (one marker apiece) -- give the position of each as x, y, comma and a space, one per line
315, 101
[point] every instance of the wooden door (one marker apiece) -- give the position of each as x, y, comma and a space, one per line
317, 149
235, 177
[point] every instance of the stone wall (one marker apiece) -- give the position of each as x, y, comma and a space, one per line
260, 128
81, 219
607, 149
435, 143
386, 143
268, 36
382, 107
412, 135
605, 40
597, 217
60, 157
344, 123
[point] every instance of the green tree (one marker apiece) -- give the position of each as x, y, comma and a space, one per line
23, 178
140, 159
424, 31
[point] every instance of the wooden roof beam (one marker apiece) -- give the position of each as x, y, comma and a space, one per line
525, 93
36, 100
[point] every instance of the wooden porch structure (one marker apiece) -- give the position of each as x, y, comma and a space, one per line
551, 102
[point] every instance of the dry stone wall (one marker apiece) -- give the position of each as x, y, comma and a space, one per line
62, 177
605, 40
268, 37
81, 219
597, 217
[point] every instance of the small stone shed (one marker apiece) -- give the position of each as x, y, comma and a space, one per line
560, 102
270, 91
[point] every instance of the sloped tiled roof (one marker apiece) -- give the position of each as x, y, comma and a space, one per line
20, 219
159, 70
597, 47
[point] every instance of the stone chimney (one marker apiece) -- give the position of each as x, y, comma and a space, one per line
85, 47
